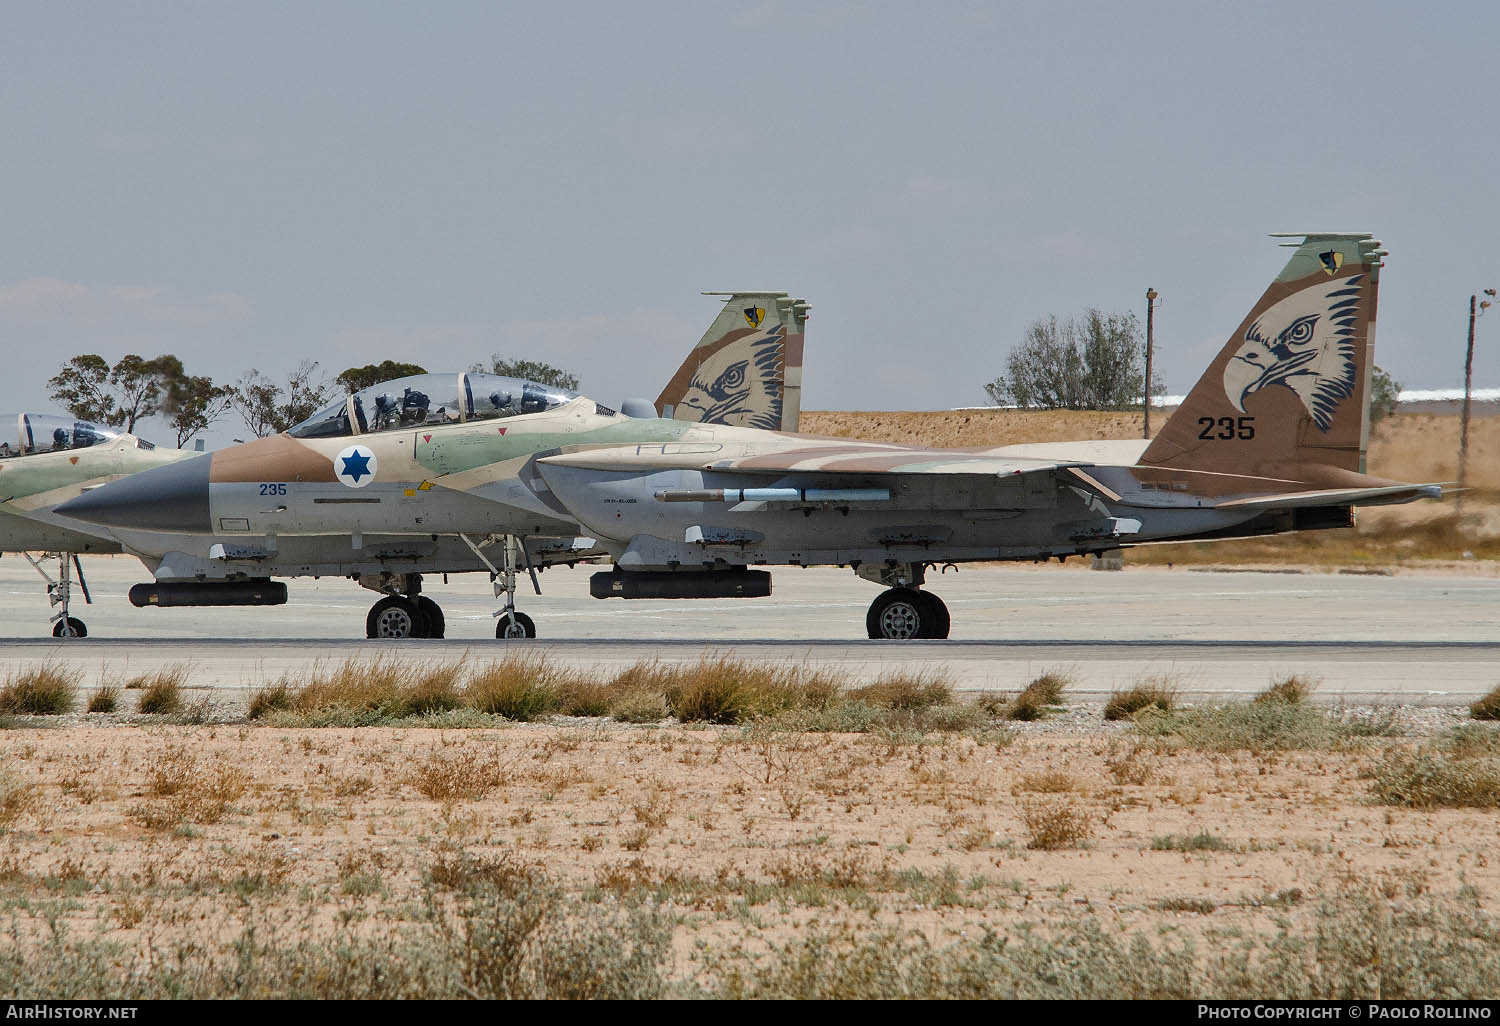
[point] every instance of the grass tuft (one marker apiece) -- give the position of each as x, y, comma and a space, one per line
1291, 690
1056, 824
46, 690
105, 700
906, 691
162, 689
1153, 693
1437, 776
522, 686
1487, 707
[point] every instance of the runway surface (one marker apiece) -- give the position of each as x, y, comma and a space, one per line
1428, 638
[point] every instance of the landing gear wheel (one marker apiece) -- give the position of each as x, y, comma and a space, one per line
900, 614
395, 617
514, 625
434, 614
72, 627
937, 627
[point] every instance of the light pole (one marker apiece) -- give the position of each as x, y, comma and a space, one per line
1151, 295
1476, 309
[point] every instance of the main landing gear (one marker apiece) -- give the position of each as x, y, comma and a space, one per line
60, 592
404, 612
904, 612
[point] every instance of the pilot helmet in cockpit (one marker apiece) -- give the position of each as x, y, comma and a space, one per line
414, 406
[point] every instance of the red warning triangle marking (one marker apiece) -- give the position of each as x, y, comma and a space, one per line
426, 438
502, 431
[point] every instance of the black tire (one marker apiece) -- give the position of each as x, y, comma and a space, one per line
519, 620
436, 625
942, 622
71, 628
899, 614
394, 618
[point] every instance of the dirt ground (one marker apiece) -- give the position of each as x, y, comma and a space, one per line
151, 837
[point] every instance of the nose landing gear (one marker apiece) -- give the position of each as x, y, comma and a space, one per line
60, 592
510, 623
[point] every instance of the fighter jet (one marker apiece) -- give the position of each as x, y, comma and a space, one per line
1271, 439
745, 370
47, 461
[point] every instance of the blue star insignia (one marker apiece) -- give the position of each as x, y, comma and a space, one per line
357, 465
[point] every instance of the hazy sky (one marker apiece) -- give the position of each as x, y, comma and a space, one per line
248, 185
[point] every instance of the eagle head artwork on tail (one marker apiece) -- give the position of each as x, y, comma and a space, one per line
746, 371
1306, 343
739, 385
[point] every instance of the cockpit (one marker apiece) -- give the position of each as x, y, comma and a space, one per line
430, 399
37, 433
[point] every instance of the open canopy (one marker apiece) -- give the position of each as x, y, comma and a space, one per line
424, 399
36, 433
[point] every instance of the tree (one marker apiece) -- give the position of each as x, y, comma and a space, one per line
196, 402
269, 408
131, 390
1091, 363
530, 370
356, 378
1384, 395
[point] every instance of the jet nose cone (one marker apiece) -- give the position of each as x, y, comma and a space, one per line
169, 498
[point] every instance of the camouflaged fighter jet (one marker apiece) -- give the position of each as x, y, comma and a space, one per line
1271, 439
47, 461
746, 370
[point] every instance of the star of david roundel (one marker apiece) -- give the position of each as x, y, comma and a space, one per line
355, 466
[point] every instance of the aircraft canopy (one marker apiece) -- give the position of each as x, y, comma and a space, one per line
36, 433
424, 399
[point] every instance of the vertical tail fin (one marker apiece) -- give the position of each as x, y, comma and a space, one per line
747, 369
1291, 386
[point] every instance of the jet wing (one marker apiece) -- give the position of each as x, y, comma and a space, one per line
1337, 497
850, 459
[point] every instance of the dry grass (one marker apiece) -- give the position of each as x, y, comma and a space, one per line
1036, 698
46, 690
17, 800
1459, 773
1056, 824
1487, 707
1153, 693
465, 775
105, 700
162, 689
907, 691
1288, 691
522, 686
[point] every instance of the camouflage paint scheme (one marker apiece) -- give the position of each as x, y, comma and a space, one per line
31, 486
746, 371
319, 535
1271, 439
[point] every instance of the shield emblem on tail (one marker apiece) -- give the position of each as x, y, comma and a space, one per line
754, 315
1332, 261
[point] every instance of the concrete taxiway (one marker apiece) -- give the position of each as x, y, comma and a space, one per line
1412, 637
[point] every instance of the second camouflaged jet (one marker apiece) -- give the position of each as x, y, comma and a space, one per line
44, 461
745, 370
1271, 439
